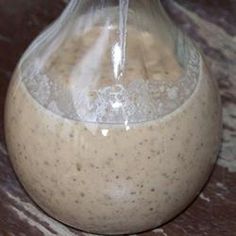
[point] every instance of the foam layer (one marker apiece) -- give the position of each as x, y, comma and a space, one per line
79, 79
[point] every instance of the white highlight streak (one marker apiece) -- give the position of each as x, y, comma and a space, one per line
160, 231
59, 228
3, 149
204, 198
24, 217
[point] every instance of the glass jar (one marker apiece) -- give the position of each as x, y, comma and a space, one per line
112, 121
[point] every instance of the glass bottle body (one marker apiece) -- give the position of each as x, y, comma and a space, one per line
112, 121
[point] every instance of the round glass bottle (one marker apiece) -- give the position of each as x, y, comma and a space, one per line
112, 121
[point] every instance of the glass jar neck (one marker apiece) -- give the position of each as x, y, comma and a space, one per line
83, 6
147, 13
104, 3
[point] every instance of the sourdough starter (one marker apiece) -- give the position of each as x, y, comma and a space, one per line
103, 174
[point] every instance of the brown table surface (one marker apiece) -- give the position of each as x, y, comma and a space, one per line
212, 23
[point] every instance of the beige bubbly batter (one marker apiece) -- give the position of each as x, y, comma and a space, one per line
113, 178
